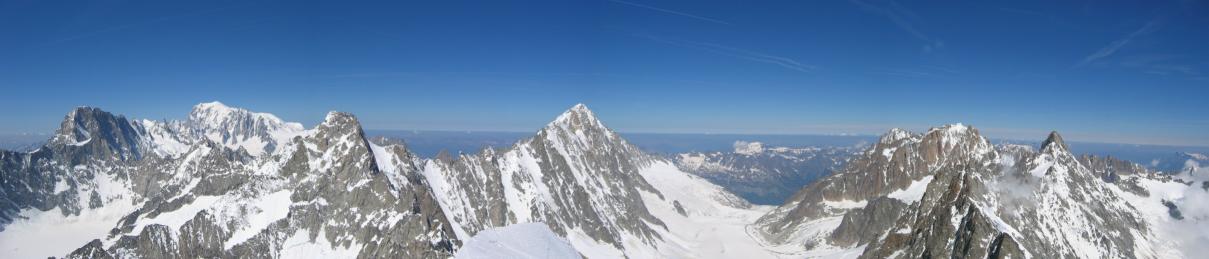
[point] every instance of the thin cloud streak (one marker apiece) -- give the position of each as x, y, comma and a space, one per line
719, 49
1116, 45
901, 17
122, 27
698, 17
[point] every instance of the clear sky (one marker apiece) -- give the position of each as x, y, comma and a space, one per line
1107, 71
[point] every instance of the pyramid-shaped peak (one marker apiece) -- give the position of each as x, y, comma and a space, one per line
579, 109
1054, 140
577, 116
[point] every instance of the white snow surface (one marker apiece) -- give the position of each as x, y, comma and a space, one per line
716, 221
264, 211
236, 128
1182, 237
41, 234
748, 148
524, 240
914, 192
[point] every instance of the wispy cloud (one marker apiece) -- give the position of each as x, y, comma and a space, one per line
122, 27
904, 18
744, 54
1164, 65
1047, 16
922, 71
674, 12
1116, 45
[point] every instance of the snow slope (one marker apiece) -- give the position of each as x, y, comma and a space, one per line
524, 240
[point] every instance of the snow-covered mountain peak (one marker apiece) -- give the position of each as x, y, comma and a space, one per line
213, 106
956, 134
894, 135
577, 117
579, 129
340, 128
748, 148
218, 114
956, 139
955, 129
339, 118
256, 132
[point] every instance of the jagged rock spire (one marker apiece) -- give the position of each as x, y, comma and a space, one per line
1053, 141
99, 133
339, 124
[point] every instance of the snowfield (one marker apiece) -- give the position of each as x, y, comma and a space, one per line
524, 240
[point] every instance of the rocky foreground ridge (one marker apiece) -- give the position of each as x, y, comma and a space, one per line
231, 183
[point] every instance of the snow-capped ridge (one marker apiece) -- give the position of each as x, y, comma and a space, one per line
257, 132
894, 135
748, 148
218, 113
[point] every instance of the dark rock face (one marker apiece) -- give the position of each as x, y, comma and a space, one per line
981, 202
90, 133
679, 208
574, 175
894, 163
91, 144
1004, 246
866, 224
1111, 169
1054, 141
931, 232
1173, 210
328, 181
91, 250
1048, 206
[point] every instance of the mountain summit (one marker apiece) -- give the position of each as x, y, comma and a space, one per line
230, 183
257, 133
1053, 141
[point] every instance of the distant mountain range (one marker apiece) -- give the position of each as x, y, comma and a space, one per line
232, 183
765, 175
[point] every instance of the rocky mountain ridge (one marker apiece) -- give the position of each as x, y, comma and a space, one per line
155, 189
231, 183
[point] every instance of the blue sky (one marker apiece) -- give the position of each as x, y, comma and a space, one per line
1106, 71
